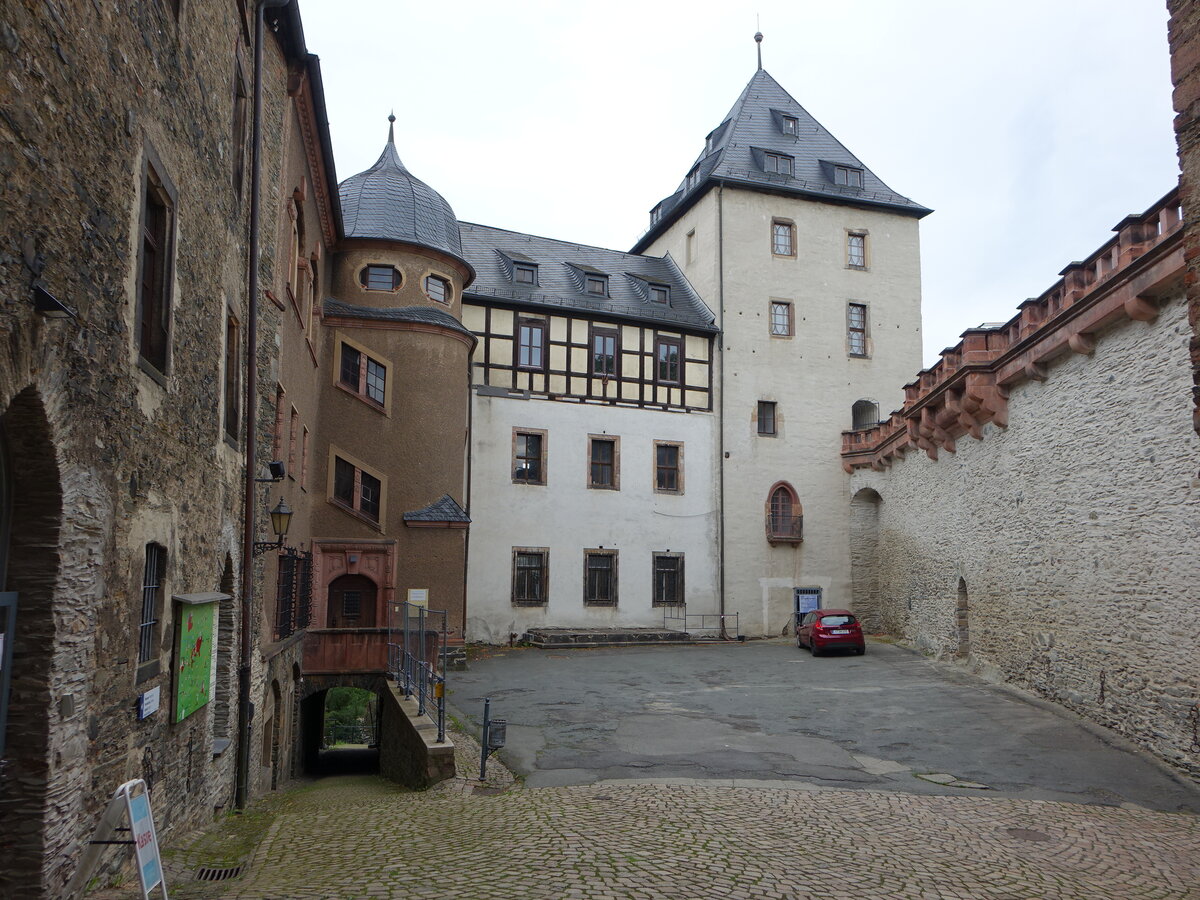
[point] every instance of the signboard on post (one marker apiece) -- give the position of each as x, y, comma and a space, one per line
194, 653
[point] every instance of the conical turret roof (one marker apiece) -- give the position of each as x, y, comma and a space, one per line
387, 202
766, 120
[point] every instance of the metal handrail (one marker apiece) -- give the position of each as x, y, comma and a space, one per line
412, 671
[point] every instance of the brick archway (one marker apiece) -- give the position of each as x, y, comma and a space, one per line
29, 565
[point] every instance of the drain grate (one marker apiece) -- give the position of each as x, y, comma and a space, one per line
224, 873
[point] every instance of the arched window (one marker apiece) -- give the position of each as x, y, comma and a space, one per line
785, 515
865, 414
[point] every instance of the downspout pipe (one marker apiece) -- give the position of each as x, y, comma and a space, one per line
721, 401
249, 507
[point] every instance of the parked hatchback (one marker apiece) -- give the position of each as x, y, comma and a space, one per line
830, 629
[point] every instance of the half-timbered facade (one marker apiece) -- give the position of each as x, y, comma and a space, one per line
592, 437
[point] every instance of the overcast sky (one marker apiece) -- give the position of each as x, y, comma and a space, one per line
1031, 127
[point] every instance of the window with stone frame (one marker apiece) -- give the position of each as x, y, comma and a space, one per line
856, 249
668, 467
785, 516
357, 490
153, 570
767, 424
667, 589
783, 237
604, 472
530, 576
781, 318
155, 275
856, 329
529, 456
600, 577
362, 375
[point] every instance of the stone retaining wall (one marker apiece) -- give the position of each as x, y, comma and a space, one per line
1070, 534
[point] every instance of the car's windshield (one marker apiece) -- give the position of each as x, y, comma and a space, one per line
837, 620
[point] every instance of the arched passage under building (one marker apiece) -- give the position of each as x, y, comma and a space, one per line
339, 724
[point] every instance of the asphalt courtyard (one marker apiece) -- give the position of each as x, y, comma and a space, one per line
728, 772
768, 713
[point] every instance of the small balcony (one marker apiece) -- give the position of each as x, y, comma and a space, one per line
785, 529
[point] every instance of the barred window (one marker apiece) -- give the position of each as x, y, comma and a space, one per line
600, 578
781, 318
856, 329
668, 579
152, 577
530, 576
783, 238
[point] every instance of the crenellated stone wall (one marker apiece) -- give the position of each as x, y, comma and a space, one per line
1070, 535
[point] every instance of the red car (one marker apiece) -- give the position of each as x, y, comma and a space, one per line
830, 629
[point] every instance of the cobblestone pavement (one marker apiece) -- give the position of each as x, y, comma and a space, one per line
362, 837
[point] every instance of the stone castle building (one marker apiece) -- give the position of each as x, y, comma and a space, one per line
516, 430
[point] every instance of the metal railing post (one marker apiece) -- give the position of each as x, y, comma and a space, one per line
421, 664
487, 725
407, 656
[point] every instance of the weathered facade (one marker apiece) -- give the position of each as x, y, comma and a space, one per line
1026, 508
813, 266
123, 147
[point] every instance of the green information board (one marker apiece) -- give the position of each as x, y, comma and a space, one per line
194, 658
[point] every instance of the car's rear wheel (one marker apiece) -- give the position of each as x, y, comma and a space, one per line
812, 646
860, 650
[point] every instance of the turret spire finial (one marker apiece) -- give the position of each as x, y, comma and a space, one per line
392, 125
758, 41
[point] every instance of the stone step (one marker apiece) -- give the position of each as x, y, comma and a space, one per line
563, 638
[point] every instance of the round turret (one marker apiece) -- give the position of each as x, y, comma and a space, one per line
386, 202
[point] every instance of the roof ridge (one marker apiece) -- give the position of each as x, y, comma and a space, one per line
576, 244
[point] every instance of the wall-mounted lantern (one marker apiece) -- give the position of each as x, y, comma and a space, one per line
281, 519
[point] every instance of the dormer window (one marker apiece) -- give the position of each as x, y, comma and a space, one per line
660, 293
848, 175
380, 278
596, 284
779, 164
692, 177
789, 125
525, 273
655, 214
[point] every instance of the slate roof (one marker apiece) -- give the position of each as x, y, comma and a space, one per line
387, 202
444, 509
426, 314
561, 269
734, 154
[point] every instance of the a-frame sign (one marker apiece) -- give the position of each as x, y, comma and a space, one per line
130, 803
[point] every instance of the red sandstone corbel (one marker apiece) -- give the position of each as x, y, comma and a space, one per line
969, 424
1140, 309
847, 467
1035, 371
1082, 342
